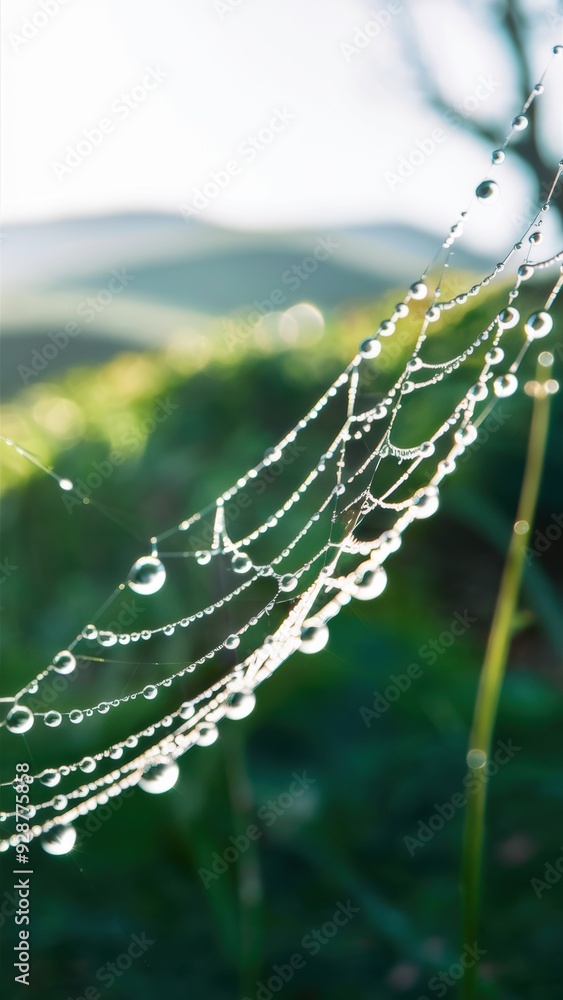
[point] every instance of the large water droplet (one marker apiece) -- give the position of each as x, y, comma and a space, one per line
240, 704
59, 839
370, 348
19, 719
232, 641
476, 759
160, 777
150, 692
206, 734
52, 718
241, 563
372, 583
50, 779
313, 638
498, 156
418, 290
64, 662
509, 317
487, 191
426, 502
76, 716
519, 123
505, 385
147, 575
538, 325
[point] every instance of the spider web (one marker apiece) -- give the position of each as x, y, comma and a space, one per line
264, 579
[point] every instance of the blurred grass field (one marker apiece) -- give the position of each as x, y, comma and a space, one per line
185, 423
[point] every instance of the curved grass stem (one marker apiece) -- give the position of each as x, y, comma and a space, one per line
492, 675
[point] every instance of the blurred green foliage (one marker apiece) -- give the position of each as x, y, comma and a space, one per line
343, 838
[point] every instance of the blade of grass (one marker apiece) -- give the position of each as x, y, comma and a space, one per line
492, 673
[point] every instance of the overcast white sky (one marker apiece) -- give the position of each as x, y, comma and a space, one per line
229, 66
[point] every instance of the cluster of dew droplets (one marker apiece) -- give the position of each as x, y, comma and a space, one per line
315, 591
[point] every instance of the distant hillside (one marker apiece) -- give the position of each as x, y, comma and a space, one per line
169, 275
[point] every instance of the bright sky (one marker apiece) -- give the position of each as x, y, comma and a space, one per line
181, 86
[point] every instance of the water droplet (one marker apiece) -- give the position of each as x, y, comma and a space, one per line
150, 692
313, 638
535, 238
538, 325
203, 558
427, 449
525, 271
19, 719
519, 123
89, 632
479, 391
147, 575
401, 310
370, 348
52, 718
131, 742
241, 563
433, 314
103, 707
505, 385
487, 191
60, 802
372, 582
186, 710
426, 502
414, 364
207, 733
466, 435
476, 759
59, 839
240, 704
160, 777
538, 89
232, 641
87, 764
116, 752
498, 156
509, 317
494, 356
386, 328
76, 716
50, 779
557, 50
168, 630
107, 638
418, 290
64, 662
